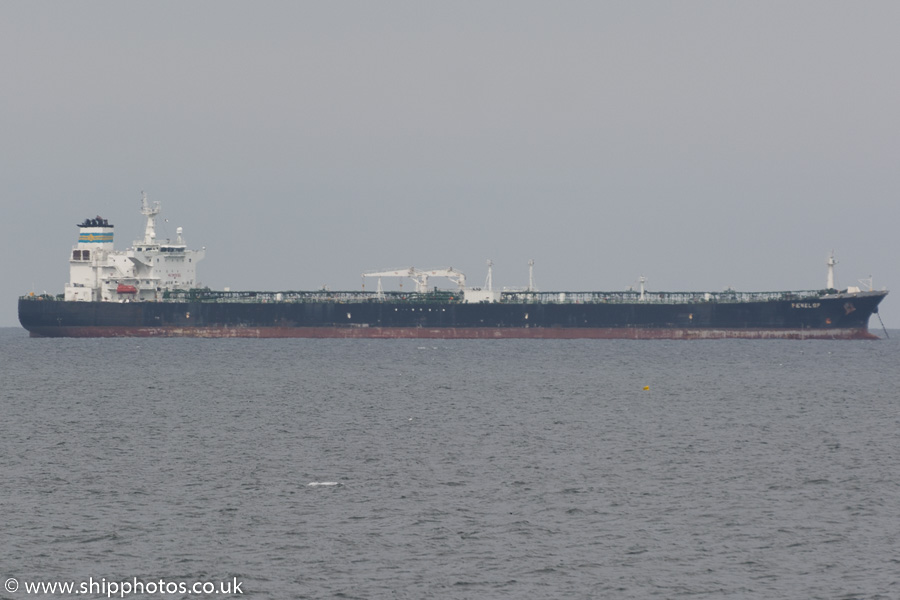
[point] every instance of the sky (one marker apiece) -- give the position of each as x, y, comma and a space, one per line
701, 145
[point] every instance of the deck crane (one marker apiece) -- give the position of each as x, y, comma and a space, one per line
420, 276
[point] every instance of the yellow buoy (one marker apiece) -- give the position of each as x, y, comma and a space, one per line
646, 387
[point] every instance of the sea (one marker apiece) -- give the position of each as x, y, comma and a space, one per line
459, 469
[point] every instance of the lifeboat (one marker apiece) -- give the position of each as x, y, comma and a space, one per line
126, 289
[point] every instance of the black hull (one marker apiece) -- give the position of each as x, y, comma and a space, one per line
836, 316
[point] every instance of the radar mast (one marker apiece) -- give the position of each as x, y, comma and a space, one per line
150, 211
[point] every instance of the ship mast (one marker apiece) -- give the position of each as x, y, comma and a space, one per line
531, 287
830, 262
150, 211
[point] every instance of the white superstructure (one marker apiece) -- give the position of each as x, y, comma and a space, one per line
97, 272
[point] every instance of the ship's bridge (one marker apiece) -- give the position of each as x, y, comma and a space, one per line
146, 271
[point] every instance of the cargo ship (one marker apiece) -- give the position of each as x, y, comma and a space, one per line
151, 290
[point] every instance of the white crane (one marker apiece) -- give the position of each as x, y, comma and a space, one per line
420, 276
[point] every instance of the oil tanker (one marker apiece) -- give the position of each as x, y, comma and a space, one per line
151, 290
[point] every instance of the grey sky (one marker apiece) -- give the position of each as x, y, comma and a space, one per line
701, 144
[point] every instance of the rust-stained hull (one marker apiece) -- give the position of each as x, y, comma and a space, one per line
629, 333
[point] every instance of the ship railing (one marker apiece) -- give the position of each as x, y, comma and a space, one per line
257, 297
444, 297
631, 297
42, 297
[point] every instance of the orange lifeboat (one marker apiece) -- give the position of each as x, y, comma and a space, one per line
126, 289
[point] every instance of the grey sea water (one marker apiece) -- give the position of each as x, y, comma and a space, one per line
455, 469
